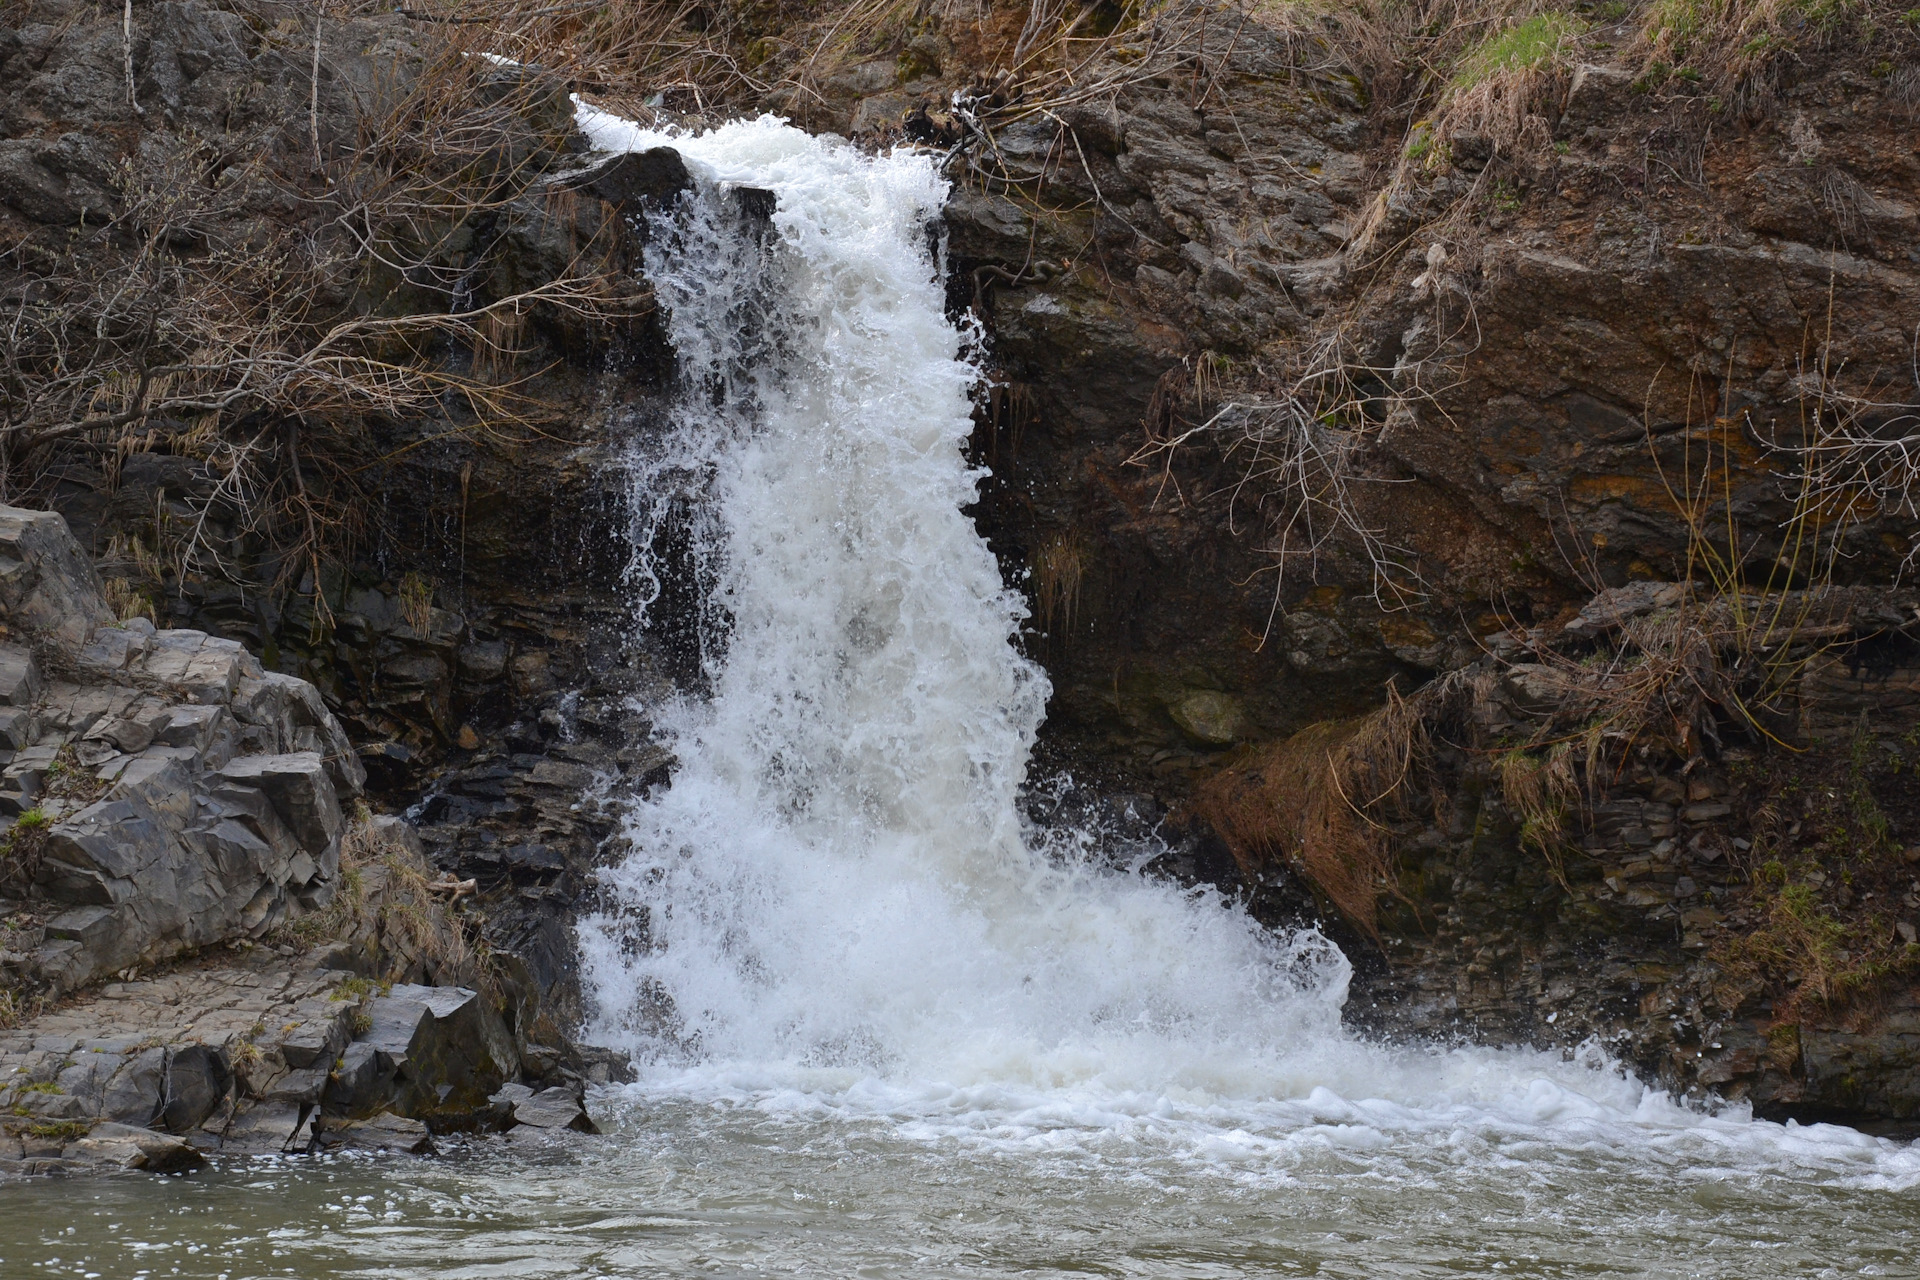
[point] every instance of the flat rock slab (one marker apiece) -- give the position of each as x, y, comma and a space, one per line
381, 1133
555, 1108
227, 1059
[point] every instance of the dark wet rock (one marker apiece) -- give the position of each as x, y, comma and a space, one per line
635, 181
197, 1082
383, 1132
554, 1108
433, 1054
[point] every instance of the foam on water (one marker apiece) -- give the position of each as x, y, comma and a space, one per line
835, 911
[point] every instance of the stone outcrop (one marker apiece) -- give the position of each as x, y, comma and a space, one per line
261, 1053
1505, 333
470, 635
434, 1054
162, 791
1580, 852
169, 799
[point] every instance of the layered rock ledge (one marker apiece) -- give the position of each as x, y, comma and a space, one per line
172, 808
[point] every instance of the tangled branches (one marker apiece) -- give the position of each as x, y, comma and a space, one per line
1302, 456
1304, 440
1857, 455
236, 306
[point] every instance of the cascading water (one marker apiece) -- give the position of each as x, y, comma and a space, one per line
838, 878
836, 900
887, 1031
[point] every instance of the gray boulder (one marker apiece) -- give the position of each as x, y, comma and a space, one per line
48, 587
190, 796
434, 1054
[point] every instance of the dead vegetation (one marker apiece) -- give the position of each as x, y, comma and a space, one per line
257, 302
1299, 430
1321, 802
388, 900
1660, 675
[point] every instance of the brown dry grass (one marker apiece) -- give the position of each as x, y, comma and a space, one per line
1319, 801
1059, 572
387, 894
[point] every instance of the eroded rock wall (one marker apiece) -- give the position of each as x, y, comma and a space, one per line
1545, 346
163, 791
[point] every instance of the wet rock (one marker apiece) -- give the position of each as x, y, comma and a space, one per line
109, 1146
197, 1081
381, 1133
269, 1127
640, 180
1871, 1073
558, 1107
434, 1054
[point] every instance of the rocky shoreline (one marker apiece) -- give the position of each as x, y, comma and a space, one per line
1721, 892
173, 810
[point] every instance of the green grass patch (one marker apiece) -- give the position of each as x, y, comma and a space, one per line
63, 1130
1531, 44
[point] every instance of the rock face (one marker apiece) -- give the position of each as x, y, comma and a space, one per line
470, 636
261, 1053
1505, 334
433, 1054
1727, 917
1530, 344
163, 792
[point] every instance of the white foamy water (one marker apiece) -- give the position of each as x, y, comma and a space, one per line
835, 915
903, 1041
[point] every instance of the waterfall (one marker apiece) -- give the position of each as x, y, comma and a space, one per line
837, 899
839, 876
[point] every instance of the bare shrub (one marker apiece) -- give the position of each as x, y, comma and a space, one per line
1299, 432
185, 321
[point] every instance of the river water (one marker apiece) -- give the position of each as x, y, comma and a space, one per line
885, 1026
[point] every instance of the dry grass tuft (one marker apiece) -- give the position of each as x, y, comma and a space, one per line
1317, 802
1506, 83
1732, 47
387, 894
1059, 570
1543, 791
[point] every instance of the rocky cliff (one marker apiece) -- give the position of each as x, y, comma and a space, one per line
1523, 437
1569, 431
173, 808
